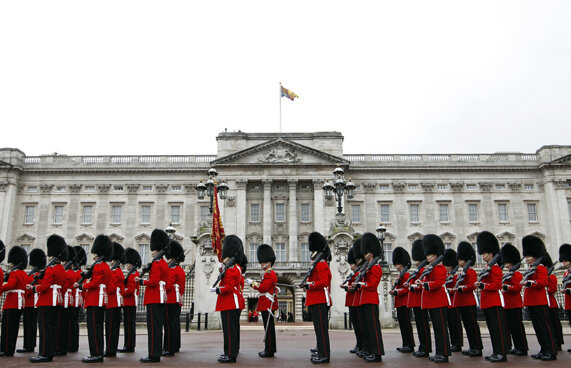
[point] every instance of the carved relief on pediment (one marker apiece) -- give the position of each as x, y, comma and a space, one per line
280, 154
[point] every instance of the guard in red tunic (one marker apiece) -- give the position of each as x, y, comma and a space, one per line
352, 297
175, 291
464, 299
243, 265
130, 300
553, 309
450, 261
114, 301
49, 284
37, 260
415, 301
434, 296
401, 261
15, 289
565, 259
228, 301
77, 304
95, 295
511, 290
268, 299
155, 295
535, 297
64, 314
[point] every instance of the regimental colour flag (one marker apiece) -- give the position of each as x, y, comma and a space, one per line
289, 94
217, 233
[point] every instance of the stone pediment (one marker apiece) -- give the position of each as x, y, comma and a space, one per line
281, 152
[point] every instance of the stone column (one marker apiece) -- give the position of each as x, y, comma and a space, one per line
8, 190
241, 209
319, 206
267, 212
292, 220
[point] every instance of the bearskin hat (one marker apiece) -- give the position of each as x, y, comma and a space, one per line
80, 256
18, 257
509, 254
449, 258
232, 247
533, 246
57, 247
133, 257
466, 252
370, 244
118, 252
417, 252
38, 258
243, 263
357, 249
401, 256
432, 244
175, 251
71, 254
565, 253
487, 243
317, 242
102, 246
159, 240
266, 253
2, 251
351, 257
547, 261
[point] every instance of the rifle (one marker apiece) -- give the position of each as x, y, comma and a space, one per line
69, 263
550, 269
89, 272
42, 273
7, 274
462, 275
413, 274
148, 266
33, 271
486, 271
511, 271
428, 270
352, 274
131, 271
191, 269
361, 275
229, 264
450, 277
318, 259
531, 271
566, 281
401, 275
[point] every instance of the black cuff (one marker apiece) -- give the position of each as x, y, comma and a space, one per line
218, 290
426, 286
141, 282
505, 287
481, 286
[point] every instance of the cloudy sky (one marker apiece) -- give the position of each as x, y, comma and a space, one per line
165, 77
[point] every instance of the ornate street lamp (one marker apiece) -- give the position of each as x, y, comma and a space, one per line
170, 230
381, 233
208, 188
339, 187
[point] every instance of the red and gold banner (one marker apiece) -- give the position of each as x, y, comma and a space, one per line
217, 233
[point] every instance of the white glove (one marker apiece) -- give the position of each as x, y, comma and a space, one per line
278, 290
213, 289
249, 281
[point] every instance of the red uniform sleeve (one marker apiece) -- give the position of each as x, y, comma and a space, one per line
552, 288
181, 279
515, 286
96, 278
267, 283
231, 281
46, 281
400, 290
10, 284
154, 275
321, 278
131, 286
171, 280
438, 277
540, 278
373, 277
494, 279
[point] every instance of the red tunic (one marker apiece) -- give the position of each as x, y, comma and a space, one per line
267, 286
30, 295
551, 290
536, 294
115, 289
435, 296
369, 293
241, 299
155, 292
512, 297
175, 288
229, 290
464, 297
567, 294
490, 295
401, 292
415, 292
15, 289
49, 287
78, 294
68, 290
319, 285
131, 293
95, 295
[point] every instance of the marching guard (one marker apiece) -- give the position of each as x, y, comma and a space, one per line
37, 259
114, 302
130, 300
553, 309
565, 259
267, 301
175, 291
15, 289
64, 313
80, 260
450, 261
355, 260
401, 260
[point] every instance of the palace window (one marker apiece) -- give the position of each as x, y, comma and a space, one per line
87, 214
280, 252
503, 212
305, 254
473, 212
531, 212
385, 213
144, 252
280, 212
58, 214
175, 214
356, 213
116, 214
254, 212
145, 214
305, 212
443, 213
29, 215
414, 213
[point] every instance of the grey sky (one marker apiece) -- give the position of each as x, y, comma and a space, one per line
165, 77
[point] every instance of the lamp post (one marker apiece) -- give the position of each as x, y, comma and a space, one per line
338, 188
381, 233
208, 188
170, 230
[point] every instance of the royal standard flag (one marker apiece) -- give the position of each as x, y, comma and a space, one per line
289, 94
217, 233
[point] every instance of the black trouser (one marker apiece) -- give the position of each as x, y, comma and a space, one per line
374, 338
468, 314
62, 340
73, 329
155, 321
10, 327
95, 316
498, 331
355, 318
269, 332
403, 316
320, 317
455, 327
30, 327
556, 326
440, 326
112, 328
542, 326
230, 328
514, 323
423, 330
47, 319
130, 326
172, 328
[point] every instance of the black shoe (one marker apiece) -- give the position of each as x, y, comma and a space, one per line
537, 356
406, 349
126, 350
511, 351
93, 359
109, 355
520, 352
569, 350
150, 360
420, 354
361, 353
226, 359
320, 360
497, 358
313, 350
431, 358
265, 354
60, 353
455, 348
549, 357
489, 357
3, 354
474, 353
440, 359
25, 350
41, 359
356, 349
373, 358
167, 353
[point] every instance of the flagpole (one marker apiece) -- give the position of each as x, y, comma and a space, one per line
280, 107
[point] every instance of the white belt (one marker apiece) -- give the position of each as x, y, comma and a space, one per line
447, 296
102, 295
20, 296
502, 298
326, 290
162, 291
119, 297
36, 297
55, 294
476, 297
177, 290
66, 298
136, 295
77, 297
269, 296
548, 301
